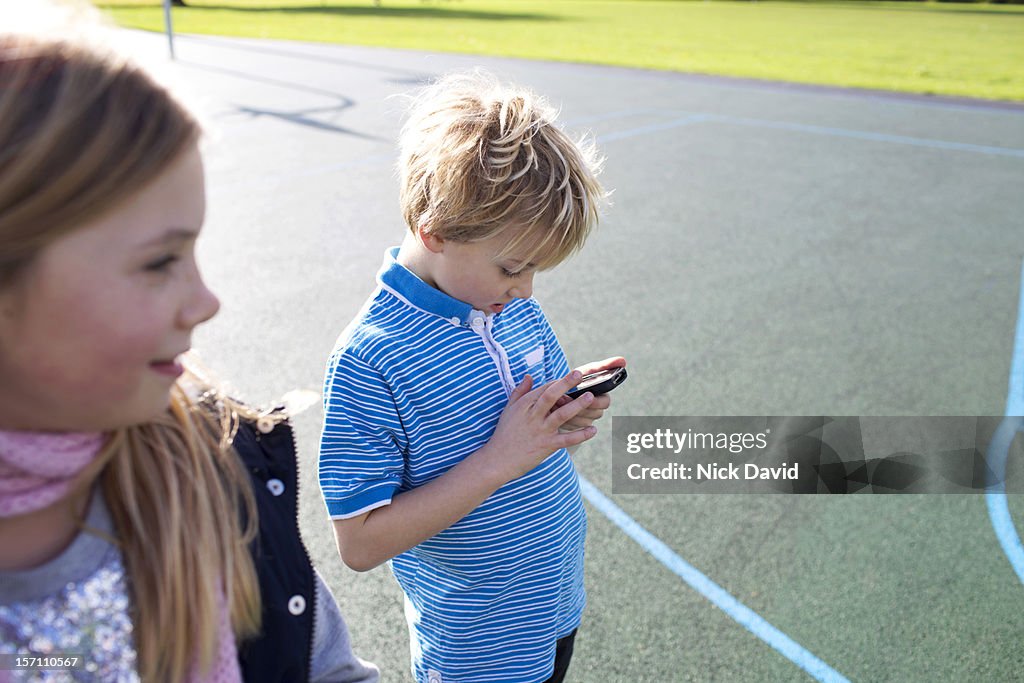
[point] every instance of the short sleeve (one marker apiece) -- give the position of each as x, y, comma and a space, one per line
363, 444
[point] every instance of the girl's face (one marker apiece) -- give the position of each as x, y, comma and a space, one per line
90, 334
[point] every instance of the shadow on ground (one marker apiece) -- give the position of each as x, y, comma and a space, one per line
383, 12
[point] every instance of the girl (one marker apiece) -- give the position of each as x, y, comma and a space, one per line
147, 523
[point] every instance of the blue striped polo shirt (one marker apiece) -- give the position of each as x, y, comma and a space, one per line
415, 384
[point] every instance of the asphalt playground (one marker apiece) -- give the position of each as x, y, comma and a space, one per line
771, 250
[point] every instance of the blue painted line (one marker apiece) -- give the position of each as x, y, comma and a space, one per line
653, 128
874, 137
1015, 398
610, 116
995, 497
699, 117
745, 616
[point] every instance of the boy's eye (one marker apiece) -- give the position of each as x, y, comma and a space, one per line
161, 264
508, 273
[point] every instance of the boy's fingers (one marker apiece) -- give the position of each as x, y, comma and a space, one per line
576, 437
606, 364
555, 390
522, 390
590, 413
570, 410
561, 401
533, 397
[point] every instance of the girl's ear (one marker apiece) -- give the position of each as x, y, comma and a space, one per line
433, 243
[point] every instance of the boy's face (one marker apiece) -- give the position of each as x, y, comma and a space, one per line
473, 272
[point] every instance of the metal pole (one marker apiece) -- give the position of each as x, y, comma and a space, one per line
169, 26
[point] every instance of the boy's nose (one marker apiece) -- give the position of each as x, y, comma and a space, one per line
523, 289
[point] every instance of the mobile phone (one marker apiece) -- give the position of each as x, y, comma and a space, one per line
599, 383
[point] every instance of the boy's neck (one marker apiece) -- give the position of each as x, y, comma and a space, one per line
416, 257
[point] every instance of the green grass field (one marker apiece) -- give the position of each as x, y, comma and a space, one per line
937, 48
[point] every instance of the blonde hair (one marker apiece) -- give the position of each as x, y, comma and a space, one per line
479, 158
80, 132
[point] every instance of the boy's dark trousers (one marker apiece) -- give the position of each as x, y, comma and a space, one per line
563, 655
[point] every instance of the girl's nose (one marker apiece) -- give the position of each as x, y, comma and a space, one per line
202, 305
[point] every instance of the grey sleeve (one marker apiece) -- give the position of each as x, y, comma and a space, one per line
333, 659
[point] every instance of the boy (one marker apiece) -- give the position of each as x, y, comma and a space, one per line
438, 453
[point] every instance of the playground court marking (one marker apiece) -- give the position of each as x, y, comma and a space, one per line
718, 596
998, 510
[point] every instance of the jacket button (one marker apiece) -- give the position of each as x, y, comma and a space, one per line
265, 424
276, 486
297, 605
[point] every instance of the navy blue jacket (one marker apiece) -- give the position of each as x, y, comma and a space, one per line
284, 649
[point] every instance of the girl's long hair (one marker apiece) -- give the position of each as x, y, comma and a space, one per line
81, 130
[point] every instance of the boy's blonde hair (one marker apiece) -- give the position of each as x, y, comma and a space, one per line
479, 157
81, 131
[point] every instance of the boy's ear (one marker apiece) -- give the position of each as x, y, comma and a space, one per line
433, 243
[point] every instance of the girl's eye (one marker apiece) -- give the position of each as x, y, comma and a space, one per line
161, 264
510, 274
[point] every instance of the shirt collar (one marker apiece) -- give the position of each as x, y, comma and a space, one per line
405, 284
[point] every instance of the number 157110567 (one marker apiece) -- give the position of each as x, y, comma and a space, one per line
40, 662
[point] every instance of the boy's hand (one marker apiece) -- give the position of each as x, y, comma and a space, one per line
527, 433
595, 410
531, 427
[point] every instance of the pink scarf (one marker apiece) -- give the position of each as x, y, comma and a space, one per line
225, 667
37, 469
